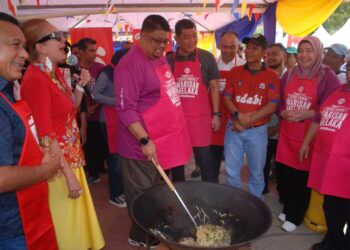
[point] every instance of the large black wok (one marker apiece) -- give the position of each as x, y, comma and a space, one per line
158, 212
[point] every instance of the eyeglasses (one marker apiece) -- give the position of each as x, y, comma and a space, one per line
57, 35
159, 41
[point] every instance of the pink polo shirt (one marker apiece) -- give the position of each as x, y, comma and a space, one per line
137, 88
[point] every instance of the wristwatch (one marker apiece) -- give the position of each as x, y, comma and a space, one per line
217, 114
144, 140
235, 115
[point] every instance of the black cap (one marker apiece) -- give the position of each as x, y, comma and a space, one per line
257, 39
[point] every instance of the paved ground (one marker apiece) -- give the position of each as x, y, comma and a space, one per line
115, 222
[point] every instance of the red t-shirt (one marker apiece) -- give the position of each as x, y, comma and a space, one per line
250, 91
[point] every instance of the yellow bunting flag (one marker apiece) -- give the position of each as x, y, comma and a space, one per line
243, 8
205, 3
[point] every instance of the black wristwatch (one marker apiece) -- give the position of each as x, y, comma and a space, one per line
217, 114
235, 115
144, 140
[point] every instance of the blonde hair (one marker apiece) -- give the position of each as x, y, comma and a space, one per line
33, 32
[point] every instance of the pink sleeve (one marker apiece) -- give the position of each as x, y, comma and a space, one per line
128, 87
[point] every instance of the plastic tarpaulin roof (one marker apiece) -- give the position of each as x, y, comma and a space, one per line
66, 14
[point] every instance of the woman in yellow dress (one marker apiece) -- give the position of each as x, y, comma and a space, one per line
54, 109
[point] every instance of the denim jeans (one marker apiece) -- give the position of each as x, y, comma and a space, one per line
17, 243
115, 182
252, 142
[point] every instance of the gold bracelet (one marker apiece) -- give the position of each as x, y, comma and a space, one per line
45, 141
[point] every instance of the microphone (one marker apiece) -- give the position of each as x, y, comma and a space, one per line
72, 61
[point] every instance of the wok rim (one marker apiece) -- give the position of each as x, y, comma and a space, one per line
238, 190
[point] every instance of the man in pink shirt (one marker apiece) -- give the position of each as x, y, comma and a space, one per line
151, 122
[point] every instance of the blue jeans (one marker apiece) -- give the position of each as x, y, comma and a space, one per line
17, 243
253, 142
115, 182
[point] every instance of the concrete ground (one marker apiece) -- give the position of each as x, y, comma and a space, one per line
115, 222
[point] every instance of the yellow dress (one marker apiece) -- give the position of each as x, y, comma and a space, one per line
75, 220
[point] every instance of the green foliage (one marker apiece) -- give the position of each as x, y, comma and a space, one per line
338, 18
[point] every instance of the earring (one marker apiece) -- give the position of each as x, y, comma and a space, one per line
48, 64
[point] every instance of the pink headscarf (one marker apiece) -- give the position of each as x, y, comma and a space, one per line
317, 67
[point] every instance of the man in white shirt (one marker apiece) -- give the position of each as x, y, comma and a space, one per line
229, 59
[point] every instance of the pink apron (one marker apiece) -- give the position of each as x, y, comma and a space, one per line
111, 116
330, 167
218, 136
33, 202
299, 94
194, 98
166, 124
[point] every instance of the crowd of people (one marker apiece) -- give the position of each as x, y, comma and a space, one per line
286, 110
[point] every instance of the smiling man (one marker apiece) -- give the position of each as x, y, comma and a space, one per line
335, 58
251, 96
196, 75
151, 122
25, 219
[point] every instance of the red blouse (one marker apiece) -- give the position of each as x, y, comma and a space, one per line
52, 104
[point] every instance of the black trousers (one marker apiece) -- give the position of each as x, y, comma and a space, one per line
177, 173
270, 154
337, 213
295, 193
204, 159
95, 149
137, 177
217, 154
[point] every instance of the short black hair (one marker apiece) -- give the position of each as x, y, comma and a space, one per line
229, 32
75, 45
155, 22
8, 18
183, 24
85, 42
279, 45
118, 55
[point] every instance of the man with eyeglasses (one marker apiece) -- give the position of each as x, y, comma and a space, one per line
25, 219
151, 124
228, 59
196, 75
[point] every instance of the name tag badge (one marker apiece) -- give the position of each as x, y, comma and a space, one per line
262, 86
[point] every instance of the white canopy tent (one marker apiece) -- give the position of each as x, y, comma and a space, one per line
66, 14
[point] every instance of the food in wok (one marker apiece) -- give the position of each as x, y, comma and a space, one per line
158, 211
209, 235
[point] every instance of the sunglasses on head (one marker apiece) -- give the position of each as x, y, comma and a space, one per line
57, 35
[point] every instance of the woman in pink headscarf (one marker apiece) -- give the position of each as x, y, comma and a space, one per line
330, 166
303, 89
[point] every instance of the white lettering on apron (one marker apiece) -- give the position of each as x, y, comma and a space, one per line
333, 117
298, 101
